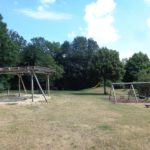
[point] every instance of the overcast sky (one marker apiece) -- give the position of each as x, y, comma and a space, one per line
123, 25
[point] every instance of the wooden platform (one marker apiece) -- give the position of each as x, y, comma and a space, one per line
32, 71
26, 70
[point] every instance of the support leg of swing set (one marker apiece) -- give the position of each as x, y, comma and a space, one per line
134, 93
40, 86
114, 94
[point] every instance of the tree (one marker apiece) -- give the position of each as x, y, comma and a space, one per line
75, 58
18, 40
37, 54
9, 54
144, 75
92, 47
106, 65
53, 48
63, 53
31, 55
134, 65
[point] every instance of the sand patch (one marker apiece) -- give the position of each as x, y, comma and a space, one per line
23, 99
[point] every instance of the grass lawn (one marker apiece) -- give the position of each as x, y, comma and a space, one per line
83, 120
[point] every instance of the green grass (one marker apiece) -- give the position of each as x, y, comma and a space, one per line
11, 104
104, 127
80, 120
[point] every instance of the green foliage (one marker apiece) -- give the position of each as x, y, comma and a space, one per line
9, 53
1, 86
78, 64
134, 65
75, 58
31, 55
144, 75
18, 40
38, 53
106, 65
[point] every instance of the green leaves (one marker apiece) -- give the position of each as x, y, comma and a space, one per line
41, 53
144, 75
75, 57
134, 65
9, 54
79, 64
106, 65
104, 127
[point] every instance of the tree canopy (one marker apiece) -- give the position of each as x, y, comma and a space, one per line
134, 65
79, 64
107, 66
75, 57
9, 54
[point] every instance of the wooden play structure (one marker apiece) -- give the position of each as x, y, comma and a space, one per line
131, 96
32, 71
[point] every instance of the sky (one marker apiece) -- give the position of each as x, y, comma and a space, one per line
122, 25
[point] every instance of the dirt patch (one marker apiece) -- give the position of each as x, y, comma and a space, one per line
23, 99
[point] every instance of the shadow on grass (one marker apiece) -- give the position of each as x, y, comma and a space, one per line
89, 93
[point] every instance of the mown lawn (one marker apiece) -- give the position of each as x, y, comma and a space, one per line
83, 120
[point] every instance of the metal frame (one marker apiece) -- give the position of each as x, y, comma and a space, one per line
125, 83
32, 71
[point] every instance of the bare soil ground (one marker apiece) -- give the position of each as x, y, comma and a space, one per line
83, 120
23, 99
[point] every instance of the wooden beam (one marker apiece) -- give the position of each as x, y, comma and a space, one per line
113, 89
40, 86
110, 93
129, 83
26, 70
129, 94
48, 85
23, 84
20, 76
134, 93
32, 87
19, 87
8, 91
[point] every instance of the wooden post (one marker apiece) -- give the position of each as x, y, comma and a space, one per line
19, 85
48, 85
134, 92
129, 93
32, 87
114, 93
40, 86
23, 84
8, 91
110, 93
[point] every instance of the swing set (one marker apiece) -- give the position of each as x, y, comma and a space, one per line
131, 91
